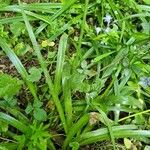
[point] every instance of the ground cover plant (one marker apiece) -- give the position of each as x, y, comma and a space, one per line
74, 74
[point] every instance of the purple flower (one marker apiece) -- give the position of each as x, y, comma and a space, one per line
107, 19
144, 81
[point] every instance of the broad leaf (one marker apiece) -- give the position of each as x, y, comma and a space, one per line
40, 114
17, 28
35, 74
9, 86
29, 108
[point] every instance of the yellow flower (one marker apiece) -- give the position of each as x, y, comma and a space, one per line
51, 44
46, 43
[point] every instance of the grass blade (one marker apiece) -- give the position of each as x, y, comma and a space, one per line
39, 7
75, 128
44, 68
108, 125
57, 14
12, 121
40, 17
82, 28
17, 63
105, 130
98, 58
60, 61
15, 112
67, 102
67, 94
102, 134
136, 134
64, 28
144, 7
14, 19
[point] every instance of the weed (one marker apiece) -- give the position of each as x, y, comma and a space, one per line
82, 79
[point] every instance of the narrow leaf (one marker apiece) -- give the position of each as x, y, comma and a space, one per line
98, 58
12, 121
17, 63
75, 128
44, 68
60, 61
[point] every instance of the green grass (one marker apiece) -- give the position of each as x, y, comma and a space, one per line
83, 75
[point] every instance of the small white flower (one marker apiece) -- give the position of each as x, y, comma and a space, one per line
107, 30
103, 43
107, 18
98, 30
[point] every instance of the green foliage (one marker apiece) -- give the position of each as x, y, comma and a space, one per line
147, 2
3, 127
9, 86
35, 138
17, 28
5, 2
35, 74
38, 113
86, 69
147, 147
78, 79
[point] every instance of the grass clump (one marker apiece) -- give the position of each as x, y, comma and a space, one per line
83, 75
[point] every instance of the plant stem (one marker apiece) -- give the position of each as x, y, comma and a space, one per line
82, 29
140, 113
